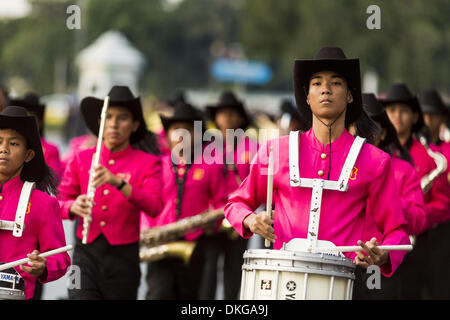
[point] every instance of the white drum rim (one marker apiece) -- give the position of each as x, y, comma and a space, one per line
300, 256
326, 272
11, 294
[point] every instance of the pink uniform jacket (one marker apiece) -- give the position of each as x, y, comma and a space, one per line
408, 183
204, 190
437, 199
43, 230
113, 215
242, 155
51, 155
371, 185
76, 145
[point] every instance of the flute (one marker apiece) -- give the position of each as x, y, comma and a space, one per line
95, 162
26, 260
269, 190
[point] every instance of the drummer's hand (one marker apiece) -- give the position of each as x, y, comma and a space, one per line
375, 255
36, 264
261, 224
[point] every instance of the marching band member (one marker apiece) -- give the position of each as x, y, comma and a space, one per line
190, 187
434, 115
404, 111
35, 108
127, 181
230, 114
22, 159
408, 183
328, 96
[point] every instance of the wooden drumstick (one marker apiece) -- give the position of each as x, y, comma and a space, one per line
359, 248
269, 190
26, 260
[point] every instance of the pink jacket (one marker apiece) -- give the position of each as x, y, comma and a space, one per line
437, 199
203, 190
371, 185
51, 155
113, 215
43, 229
76, 145
408, 183
242, 155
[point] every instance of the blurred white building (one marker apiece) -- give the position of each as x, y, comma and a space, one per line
110, 60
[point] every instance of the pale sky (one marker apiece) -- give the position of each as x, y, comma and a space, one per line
13, 8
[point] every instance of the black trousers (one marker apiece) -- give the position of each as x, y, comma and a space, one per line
232, 249
107, 272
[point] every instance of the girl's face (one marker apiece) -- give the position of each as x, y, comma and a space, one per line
119, 126
14, 153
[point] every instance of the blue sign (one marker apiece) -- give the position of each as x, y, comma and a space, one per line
238, 71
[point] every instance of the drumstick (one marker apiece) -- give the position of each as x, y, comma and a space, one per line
358, 248
269, 190
26, 260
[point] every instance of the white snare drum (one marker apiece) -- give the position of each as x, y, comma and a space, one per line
291, 275
11, 294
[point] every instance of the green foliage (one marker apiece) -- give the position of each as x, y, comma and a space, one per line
412, 45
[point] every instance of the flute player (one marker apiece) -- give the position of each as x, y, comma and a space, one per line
127, 181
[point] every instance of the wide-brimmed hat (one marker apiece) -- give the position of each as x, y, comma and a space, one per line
431, 102
332, 59
376, 112
288, 107
17, 118
183, 112
30, 102
229, 100
400, 93
119, 96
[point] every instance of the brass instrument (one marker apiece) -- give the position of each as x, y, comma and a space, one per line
441, 165
163, 242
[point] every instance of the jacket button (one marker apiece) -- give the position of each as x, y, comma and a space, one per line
104, 208
320, 173
1, 197
106, 192
323, 156
111, 162
102, 223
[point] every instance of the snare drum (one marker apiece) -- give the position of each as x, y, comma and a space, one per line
291, 275
11, 294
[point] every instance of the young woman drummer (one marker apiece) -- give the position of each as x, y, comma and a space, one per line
127, 181
328, 96
22, 159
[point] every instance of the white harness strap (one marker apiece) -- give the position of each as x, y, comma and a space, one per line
22, 207
350, 163
318, 185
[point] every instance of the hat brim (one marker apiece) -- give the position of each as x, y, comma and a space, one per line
27, 127
212, 110
348, 68
168, 121
91, 109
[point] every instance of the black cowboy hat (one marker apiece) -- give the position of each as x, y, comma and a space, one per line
333, 59
431, 102
288, 107
119, 96
17, 118
229, 100
376, 112
30, 102
183, 112
399, 93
